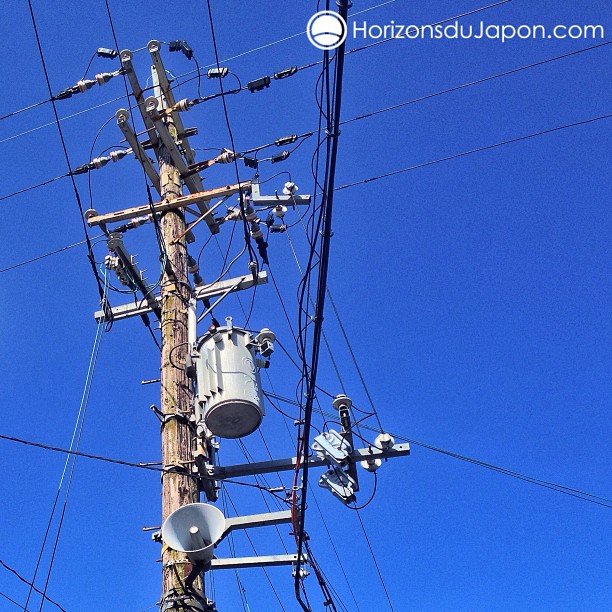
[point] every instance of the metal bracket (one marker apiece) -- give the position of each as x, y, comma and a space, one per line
261, 200
247, 562
122, 117
283, 465
193, 181
115, 244
205, 292
164, 84
126, 61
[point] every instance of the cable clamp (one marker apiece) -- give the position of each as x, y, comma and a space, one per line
333, 134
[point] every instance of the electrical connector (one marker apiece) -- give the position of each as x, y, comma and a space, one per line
107, 53
287, 72
279, 157
181, 45
285, 140
99, 162
259, 84
217, 73
250, 162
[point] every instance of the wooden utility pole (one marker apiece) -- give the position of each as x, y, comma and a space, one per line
178, 485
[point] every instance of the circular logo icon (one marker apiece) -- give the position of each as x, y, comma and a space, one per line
326, 30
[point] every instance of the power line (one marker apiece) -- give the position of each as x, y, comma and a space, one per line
20, 191
334, 105
25, 108
57, 449
39, 257
20, 577
265, 46
471, 151
471, 83
61, 135
380, 576
247, 236
364, 115
583, 495
560, 488
11, 600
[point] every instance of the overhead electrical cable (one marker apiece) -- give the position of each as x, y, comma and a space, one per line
65, 150
12, 600
22, 579
225, 492
39, 257
373, 113
505, 471
472, 151
356, 50
471, 83
74, 446
380, 576
247, 236
228, 59
327, 198
67, 451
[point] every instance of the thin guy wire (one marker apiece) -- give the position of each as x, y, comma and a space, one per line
80, 413
12, 600
246, 533
85, 403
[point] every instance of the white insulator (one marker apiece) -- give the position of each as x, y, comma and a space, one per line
183, 105
227, 157
280, 211
290, 188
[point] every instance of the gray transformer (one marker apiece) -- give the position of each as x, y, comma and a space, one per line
229, 396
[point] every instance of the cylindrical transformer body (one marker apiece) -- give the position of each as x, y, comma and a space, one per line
228, 382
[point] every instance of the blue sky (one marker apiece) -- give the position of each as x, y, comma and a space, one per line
475, 293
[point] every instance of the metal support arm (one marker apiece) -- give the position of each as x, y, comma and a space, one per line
126, 311
221, 472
